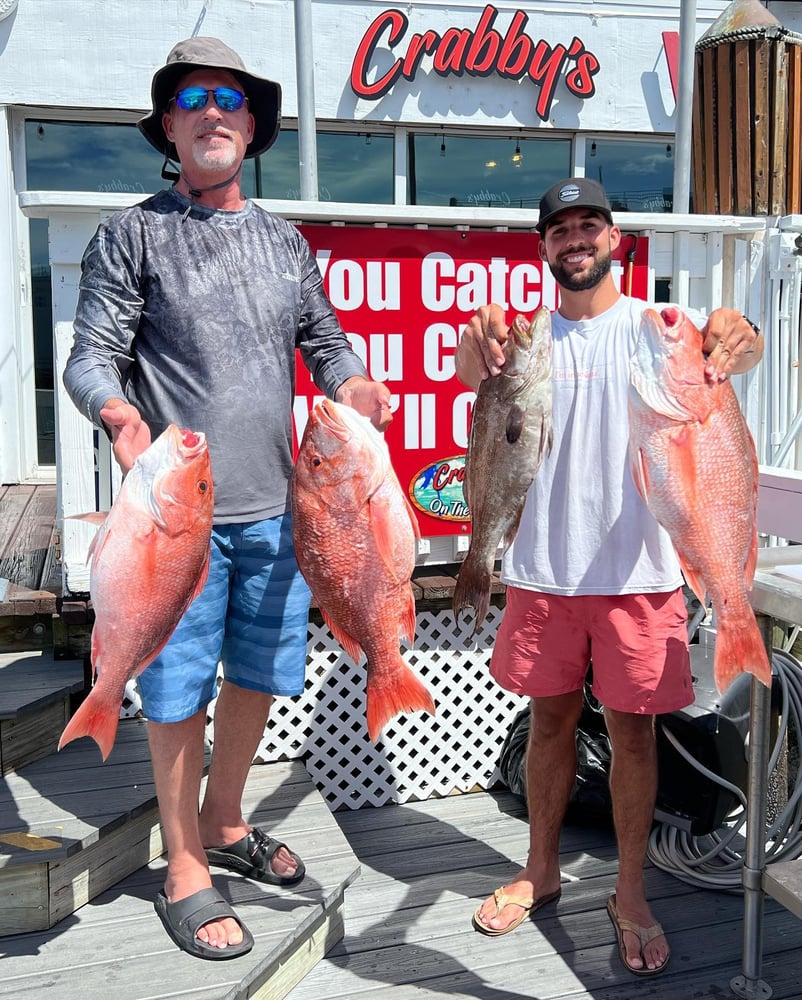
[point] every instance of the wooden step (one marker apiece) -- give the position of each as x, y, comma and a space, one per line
35, 692
83, 841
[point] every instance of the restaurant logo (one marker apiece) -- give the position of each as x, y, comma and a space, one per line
436, 489
482, 52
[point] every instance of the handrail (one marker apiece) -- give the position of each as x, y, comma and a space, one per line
40, 204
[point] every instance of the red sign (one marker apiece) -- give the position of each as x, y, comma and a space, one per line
403, 296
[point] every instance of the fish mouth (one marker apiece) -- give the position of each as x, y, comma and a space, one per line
331, 420
190, 443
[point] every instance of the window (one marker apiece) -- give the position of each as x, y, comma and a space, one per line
638, 175
482, 171
351, 166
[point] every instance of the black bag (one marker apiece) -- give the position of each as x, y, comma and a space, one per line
590, 797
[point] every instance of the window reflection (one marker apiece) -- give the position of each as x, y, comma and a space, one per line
638, 176
508, 172
351, 166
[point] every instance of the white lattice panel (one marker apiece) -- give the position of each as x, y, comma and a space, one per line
417, 756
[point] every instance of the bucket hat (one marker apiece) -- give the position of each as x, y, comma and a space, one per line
264, 96
573, 192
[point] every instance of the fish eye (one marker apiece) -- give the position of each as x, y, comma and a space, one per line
203, 486
316, 462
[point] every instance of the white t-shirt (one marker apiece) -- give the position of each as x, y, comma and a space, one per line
585, 529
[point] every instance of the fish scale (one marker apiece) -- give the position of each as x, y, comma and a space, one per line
510, 434
695, 466
354, 535
149, 559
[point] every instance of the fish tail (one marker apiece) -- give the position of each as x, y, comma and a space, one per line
739, 649
472, 590
96, 718
396, 691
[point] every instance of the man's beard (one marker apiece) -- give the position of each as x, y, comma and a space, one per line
580, 281
215, 159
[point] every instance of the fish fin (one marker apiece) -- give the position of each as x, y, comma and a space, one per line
408, 624
693, 579
96, 718
405, 693
515, 423
92, 516
382, 530
738, 650
348, 643
472, 590
413, 518
638, 470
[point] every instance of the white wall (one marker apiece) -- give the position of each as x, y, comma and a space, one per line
102, 54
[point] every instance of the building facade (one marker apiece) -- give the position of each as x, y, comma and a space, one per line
452, 106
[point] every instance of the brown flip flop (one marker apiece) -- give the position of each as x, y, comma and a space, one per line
644, 934
503, 899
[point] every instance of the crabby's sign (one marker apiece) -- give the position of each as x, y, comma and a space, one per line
403, 296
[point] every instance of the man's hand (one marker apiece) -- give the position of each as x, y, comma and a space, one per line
371, 399
480, 352
130, 435
731, 343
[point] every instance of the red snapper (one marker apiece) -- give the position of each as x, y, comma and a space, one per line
149, 559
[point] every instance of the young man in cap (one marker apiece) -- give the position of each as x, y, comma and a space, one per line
191, 307
590, 570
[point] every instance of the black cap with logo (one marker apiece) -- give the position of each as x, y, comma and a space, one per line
573, 192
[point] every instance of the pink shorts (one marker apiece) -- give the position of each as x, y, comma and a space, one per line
638, 644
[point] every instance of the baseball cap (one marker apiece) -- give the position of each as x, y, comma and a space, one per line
573, 192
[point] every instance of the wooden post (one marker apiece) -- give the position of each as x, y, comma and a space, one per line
747, 115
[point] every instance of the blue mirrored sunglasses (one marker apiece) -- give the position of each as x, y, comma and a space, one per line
195, 98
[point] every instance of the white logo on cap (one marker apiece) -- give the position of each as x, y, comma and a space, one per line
569, 193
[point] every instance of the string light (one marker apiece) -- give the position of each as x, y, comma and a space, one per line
593, 149
443, 145
517, 156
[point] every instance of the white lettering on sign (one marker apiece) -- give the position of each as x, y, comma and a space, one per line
439, 343
353, 284
419, 420
472, 284
382, 354
461, 418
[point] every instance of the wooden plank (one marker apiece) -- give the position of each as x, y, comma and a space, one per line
13, 500
742, 127
32, 736
777, 88
763, 127
720, 104
701, 151
88, 873
793, 160
116, 937
24, 552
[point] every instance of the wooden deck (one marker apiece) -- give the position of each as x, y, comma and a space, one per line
426, 866
388, 899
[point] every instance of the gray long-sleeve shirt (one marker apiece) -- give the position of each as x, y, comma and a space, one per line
195, 321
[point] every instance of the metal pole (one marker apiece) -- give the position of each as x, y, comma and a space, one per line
305, 87
682, 158
749, 985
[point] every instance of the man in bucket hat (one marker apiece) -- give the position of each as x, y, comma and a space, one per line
191, 306
591, 575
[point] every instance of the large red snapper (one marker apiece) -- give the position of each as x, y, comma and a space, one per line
354, 534
150, 558
694, 463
